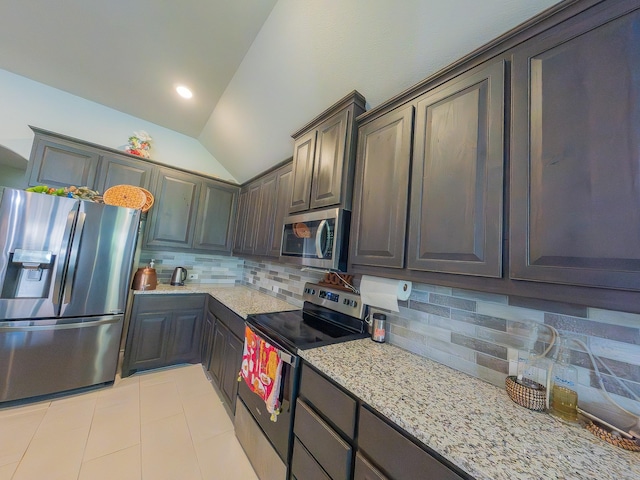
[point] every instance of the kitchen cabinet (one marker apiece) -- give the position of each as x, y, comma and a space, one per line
172, 220
206, 345
323, 157
191, 213
226, 351
392, 452
163, 330
335, 432
575, 162
59, 163
283, 193
457, 179
262, 208
215, 218
324, 428
123, 170
381, 190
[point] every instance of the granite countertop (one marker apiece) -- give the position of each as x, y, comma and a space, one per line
242, 300
472, 423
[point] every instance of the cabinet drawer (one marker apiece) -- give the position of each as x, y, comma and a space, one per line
168, 303
303, 465
365, 471
397, 456
334, 405
326, 446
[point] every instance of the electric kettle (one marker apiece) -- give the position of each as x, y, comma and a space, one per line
145, 278
179, 276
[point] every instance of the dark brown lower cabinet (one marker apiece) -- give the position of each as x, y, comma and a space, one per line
328, 446
225, 353
365, 470
163, 330
395, 454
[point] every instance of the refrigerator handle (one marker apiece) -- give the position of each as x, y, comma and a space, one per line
62, 257
73, 257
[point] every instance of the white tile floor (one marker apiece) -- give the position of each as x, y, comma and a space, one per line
165, 424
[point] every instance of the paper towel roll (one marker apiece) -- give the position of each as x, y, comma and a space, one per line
383, 292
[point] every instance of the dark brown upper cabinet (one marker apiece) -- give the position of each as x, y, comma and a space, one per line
215, 220
575, 216
58, 163
172, 217
123, 170
263, 205
303, 151
457, 179
283, 194
323, 157
381, 190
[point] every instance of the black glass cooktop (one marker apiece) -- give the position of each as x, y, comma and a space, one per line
299, 329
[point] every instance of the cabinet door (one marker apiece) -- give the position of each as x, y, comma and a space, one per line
184, 339
381, 190
220, 334
303, 156
231, 369
215, 218
253, 214
241, 220
206, 344
575, 156
173, 215
149, 344
121, 170
365, 470
326, 185
60, 164
457, 176
266, 213
283, 194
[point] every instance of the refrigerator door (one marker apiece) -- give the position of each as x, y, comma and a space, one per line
41, 357
35, 230
99, 270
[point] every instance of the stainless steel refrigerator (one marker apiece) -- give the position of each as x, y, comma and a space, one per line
65, 268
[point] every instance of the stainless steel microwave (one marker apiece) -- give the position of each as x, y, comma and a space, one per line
319, 238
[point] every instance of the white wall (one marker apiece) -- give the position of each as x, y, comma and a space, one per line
311, 53
24, 102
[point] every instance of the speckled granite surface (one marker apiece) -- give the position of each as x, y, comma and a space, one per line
242, 300
470, 422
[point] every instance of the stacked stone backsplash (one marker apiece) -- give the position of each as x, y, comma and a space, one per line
211, 269
277, 279
482, 334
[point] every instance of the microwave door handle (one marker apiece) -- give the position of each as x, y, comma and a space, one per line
319, 251
63, 257
73, 257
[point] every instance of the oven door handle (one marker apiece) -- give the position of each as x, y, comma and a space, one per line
285, 356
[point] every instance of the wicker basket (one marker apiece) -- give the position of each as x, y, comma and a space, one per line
149, 203
125, 196
533, 397
618, 441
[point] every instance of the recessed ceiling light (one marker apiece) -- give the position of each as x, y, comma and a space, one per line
184, 91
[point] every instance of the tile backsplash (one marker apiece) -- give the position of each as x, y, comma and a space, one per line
478, 333
209, 268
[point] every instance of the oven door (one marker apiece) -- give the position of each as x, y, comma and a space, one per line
278, 432
317, 239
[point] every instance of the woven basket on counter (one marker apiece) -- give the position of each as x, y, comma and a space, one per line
128, 196
533, 397
611, 438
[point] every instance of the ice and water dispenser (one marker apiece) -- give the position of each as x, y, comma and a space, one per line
28, 274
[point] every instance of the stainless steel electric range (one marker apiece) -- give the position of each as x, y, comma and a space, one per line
328, 316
